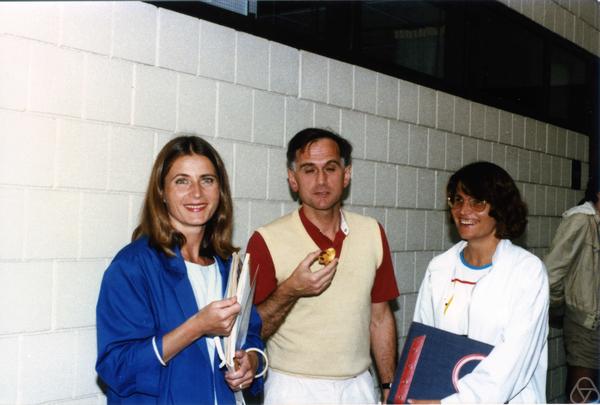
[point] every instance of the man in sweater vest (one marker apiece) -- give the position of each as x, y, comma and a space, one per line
322, 322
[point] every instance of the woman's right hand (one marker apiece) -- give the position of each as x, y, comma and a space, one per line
217, 318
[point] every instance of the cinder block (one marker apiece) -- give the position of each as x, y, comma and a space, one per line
35, 20
87, 25
27, 291
527, 8
565, 173
417, 145
538, 11
155, 98
426, 107
57, 213
450, 234
277, 187
106, 218
14, 65
398, 142
425, 188
377, 138
313, 76
378, 213
441, 180
445, 111
365, 90
416, 222
82, 155
9, 350
434, 230
263, 212
55, 80
407, 187
528, 195
477, 128
12, 218
268, 119
178, 37
518, 131
77, 285
404, 269
217, 51
551, 202
408, 101
469, 150
532, 231
107, 89
499, 154
484, 150
552, 139
387, 96
196, 105
49, 355
250, 171
362, 186
524, 165
327, 116
241, 223
396, 229
252, 61
284, 63
506, 127
592, 39
549, 16
492, 124
340, 83
225, 149
580, 32
234, 112
436, 150
27, 145
571, 151
409, 309
541, 137
583, 149
535, 167
555, 171
130, 159
136, 203
540, 200
530, 133
385, 185
561, 146
512, 161
299, 114
454, 152
85, 374
134, 32
546, 169
462, 116
353, 127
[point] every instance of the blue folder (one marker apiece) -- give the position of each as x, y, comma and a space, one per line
431, 363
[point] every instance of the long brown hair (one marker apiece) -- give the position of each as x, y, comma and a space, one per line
154, 219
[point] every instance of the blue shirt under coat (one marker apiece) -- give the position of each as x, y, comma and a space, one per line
145, 293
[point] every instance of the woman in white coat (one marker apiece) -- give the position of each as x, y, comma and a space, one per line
490, 290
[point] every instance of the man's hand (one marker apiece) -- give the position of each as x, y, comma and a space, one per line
304, 283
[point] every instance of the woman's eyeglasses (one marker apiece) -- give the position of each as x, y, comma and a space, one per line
457, 202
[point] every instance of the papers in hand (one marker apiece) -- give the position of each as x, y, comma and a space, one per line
240, 285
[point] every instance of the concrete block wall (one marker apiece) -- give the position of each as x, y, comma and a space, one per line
89, 92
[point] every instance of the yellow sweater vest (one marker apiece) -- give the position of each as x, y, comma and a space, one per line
326, 336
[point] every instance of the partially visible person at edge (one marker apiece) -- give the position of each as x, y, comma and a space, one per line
161, 300
490, 290
323, 321
574, 273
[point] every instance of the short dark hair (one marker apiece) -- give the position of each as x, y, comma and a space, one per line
489, 182
591, 192
309, 135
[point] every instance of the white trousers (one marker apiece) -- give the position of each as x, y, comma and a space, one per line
285, 389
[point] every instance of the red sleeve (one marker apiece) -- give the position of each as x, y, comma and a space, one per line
384, 287
261, 261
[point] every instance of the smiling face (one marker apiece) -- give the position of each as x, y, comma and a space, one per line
319, 175
191, 193
472, 225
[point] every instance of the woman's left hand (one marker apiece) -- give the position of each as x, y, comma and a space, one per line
245, 371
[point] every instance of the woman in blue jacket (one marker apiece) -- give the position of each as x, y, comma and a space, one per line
161, 300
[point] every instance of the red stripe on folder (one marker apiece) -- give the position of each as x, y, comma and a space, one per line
409, 369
